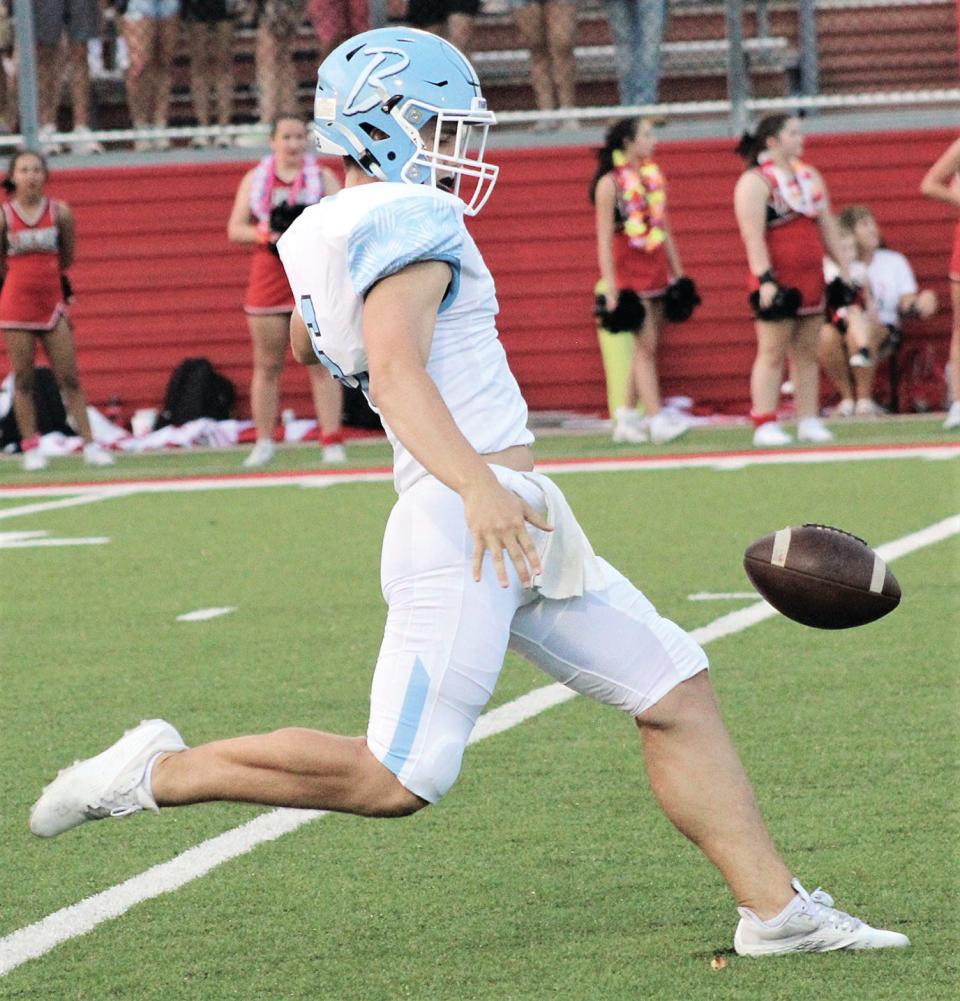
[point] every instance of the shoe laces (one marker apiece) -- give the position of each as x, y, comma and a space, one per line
120, 802
819, 905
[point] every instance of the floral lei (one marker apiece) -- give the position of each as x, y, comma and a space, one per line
799, 190
644, 197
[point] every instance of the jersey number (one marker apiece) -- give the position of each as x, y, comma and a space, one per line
359, 380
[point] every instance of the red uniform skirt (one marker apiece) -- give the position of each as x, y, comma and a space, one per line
645, 273
955, 259
268, 291
31, 298
796, 258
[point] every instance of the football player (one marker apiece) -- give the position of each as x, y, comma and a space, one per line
480, 551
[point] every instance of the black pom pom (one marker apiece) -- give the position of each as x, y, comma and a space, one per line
680, 300
626, 318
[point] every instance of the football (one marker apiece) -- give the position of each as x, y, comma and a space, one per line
822, 577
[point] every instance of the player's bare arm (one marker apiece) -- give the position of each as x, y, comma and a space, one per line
398, 321
750, 206
941, 180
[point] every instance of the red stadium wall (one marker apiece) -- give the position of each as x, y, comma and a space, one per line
157, 280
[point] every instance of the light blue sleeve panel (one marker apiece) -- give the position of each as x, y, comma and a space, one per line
402, 232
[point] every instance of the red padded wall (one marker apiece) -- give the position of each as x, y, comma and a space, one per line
157, 280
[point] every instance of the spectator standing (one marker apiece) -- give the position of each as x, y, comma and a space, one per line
783, 212
285, 181
547, 28
37, 240
79, 20
8, 74
278, 22
636, 250
209, 28
336, 20
637, 27
942, 181
150, 28
451, 19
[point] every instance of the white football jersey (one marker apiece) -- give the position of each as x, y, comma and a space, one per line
338, 249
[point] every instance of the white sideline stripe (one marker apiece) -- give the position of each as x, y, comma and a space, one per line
202, 614
719, 460
82, 496
93, 540
36, 939
721, 595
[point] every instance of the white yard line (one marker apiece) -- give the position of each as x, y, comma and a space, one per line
42, 936
652, 463
77, 497
202, 614
721, 595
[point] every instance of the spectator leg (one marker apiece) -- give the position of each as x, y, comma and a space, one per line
139, 35
168, 30
79, 71
624, 27
460, 31
832, 357
806, 372
530, 20
270, 335
651, 20
49, 67
222, 68
767, 372
58, 344
21, 350
561, 17
327, 399
201, 64
643, 372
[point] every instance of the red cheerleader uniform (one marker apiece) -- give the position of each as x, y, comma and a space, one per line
955, 259
268, 291
639, 254
32, 298
793, 235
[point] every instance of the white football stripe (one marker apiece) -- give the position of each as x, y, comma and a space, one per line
878, 576
202, 614
781, 546
39, 938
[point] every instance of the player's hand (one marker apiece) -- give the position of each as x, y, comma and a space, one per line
497, 519
926, 303
768, 291
611, 299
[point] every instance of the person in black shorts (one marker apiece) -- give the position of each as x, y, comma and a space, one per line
453, 19
209, 28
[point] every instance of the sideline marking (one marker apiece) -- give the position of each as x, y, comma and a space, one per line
27, 540
202, 614
79, 497
721, 595
314, 478
40, 937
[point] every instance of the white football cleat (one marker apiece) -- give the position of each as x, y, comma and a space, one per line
809, 923
96, 455
628, 427
260, 454
953, 417
665, 427
813, 429
109, 785
34, 460
771, 435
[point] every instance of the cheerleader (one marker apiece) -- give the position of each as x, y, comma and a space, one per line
942, 181
783, 212
37, 241
635, 251
269, 196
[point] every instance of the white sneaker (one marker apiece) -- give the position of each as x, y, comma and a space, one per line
95, 455
260, 454
109, 785
628, 427
953, 417
85, 144
770, 435
809, 923
869, 408
199, 142
48, 147
666, 427
34, 460
813, 429
845, 408
334, 454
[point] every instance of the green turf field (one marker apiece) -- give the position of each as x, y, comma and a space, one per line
548, 872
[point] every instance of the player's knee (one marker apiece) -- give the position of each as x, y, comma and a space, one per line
69, 382
681, 705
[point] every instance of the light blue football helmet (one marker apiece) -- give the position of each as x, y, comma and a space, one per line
378, 92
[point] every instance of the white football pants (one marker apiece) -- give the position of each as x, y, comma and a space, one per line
446, 637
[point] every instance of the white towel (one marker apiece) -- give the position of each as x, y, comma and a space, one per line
570, 566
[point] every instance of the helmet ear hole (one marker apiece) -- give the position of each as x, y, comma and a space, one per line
391, 155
